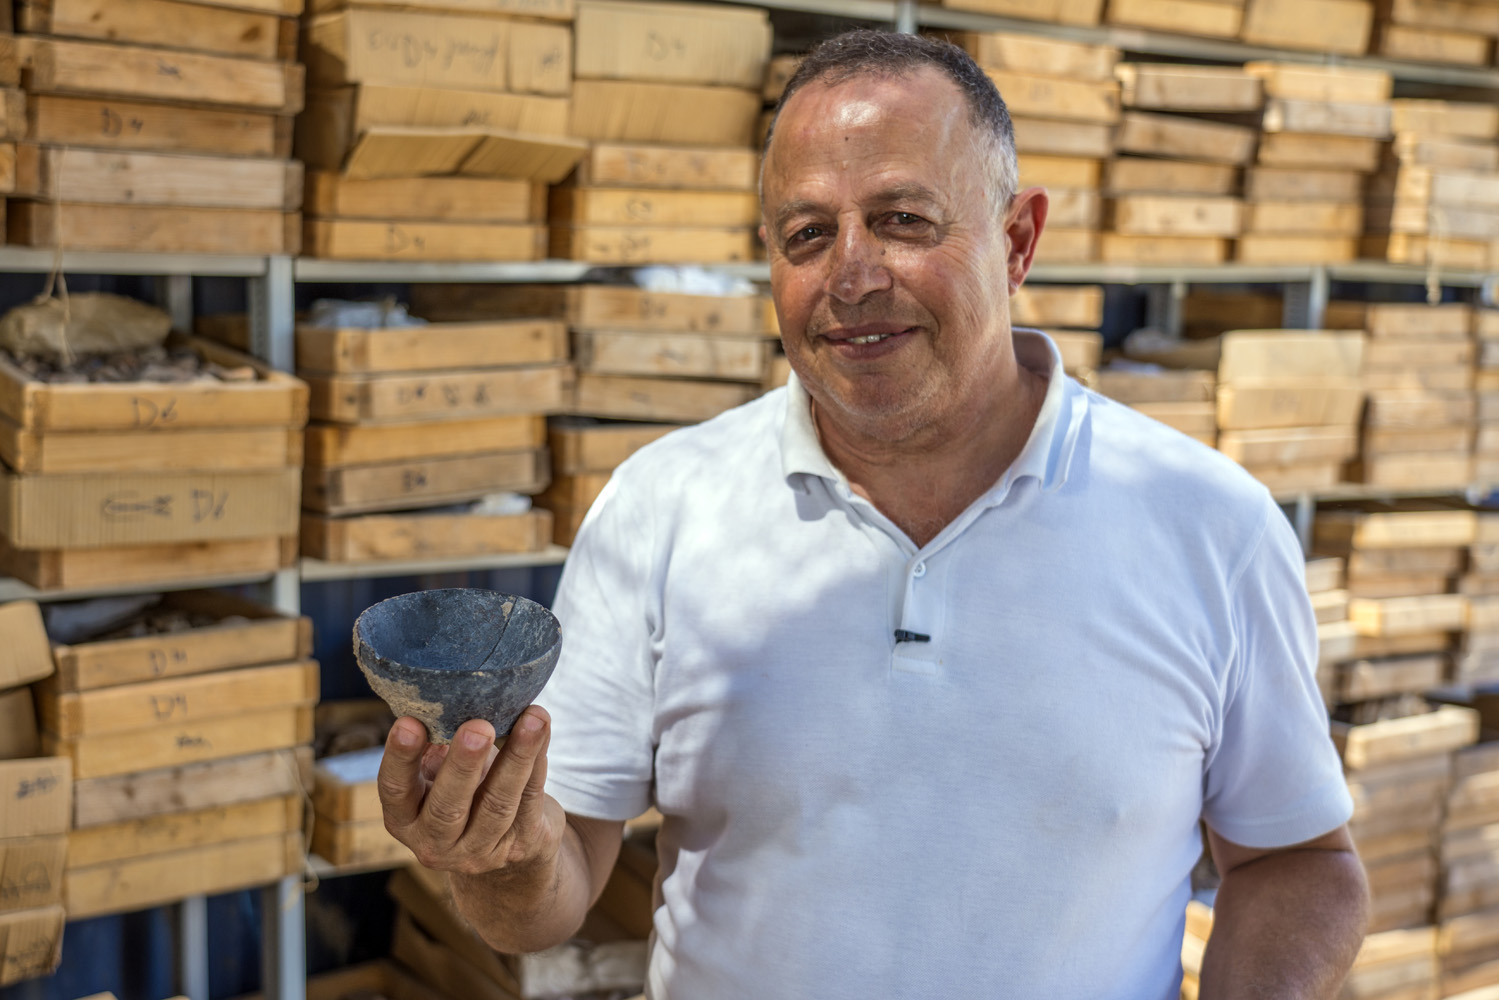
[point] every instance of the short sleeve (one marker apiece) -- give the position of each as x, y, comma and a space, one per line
601, 694
1273, 778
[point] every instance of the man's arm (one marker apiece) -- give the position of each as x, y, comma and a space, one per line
1287, 922
523, 872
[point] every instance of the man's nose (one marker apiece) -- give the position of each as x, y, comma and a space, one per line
856, 266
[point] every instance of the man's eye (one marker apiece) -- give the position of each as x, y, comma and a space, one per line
806, 234
906, 219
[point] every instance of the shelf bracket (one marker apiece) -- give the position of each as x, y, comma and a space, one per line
174, 293
273, 315
1163, 307
1306, 302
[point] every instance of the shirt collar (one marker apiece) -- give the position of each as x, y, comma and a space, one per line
1047, 454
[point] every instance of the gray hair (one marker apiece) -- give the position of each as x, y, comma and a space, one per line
888, 54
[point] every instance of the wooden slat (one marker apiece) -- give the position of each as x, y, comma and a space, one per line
1445, 729
1185, 138
577, 449
207, 785
423, 536
154, 835
133, 451
423, 483
153, 228
165, 23
649, 207
122, 886
134, 565
449, 394
433, 347
172, 745
450, 199
332, 445
669, 400
642, 112
744, 359
652, 244
675, 167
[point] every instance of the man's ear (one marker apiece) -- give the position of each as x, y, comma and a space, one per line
1023, 224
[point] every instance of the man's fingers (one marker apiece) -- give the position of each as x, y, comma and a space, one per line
400, 781
446, 811
510, 777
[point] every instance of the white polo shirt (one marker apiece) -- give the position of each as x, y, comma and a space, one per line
1120, 644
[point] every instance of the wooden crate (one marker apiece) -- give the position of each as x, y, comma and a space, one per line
673, 43
393, 153
175, 701
1465, 119
437, 395
153, 228
365, 843
686, 168
209, 785
114, 509
1131, 175
1305, 218
248, 634
31, 871
599, 307
1256, 248
422, 536
171, 745
56, 452
1318, 152
30, 943
1057, 98
353, 239
646, 244
1172, 215
1343, 530
745, 359
1370, 121
1409, 615
587, 206
1173, 87
1337, 26
579, 447
423, 483
1397, 41
1287, 185
574, 493
1207, 18
122, 886
138, 72
445, 199
103, 568
168, 24
332, 446
1404, 248
189, 828
1077, 306
1123, 248
1068, 246
272, 400
433, 347
1301, 402
674, 114
1453, 470
1290, 445
1179, 137
1078, 12
415, 48
1043, 137
110, 123
669, 400
1441, 731
1019, 53
1132, 388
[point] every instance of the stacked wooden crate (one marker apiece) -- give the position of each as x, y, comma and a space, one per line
1203, 18
1064, 102
188, 748
671, 93
1069, 314
1458, 31
642, 357
37, 796
431, 133
1322, 129
410, 421
158, 125
1336, 27
1486, 408
1418, 370
1436, 197
348, 827
1174, 186
1289, 404
141, 481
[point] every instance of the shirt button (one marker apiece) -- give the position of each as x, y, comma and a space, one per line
919, 570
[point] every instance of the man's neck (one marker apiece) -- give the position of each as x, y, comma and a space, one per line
922, 483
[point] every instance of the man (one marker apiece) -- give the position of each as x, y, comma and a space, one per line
932, 661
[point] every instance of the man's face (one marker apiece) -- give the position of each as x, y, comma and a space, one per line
888, 259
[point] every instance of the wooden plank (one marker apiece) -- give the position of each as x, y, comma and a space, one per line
152, 228
176, 831
176, 701
1057, 305
1465, 119
1340, 26
1174, 87
1057, 98
579, 448
674, 167
165, 23
31, 871
1341, 529
94, 511
1068, 246
1413, 410
1061, 171
130, 72
126, 451
1403, 248
1397, 41
451, 394
1287, 184
726, 46
132, 178
1444, 187
30, 943
1324, 574
1289, 446
1133, 388
423, 536
574, 492
1370, 121
1184, 138
134, 565
247, 634
449, 199
207, 785
1318, 152
1289, 403
366, 843
1253, 248
598, 307
1392, 350
1038, 56
122, 886
681, 354
1208, 18
122, 124
423, 483
1043, 137
1366, 679
648, 207
1119, 248
1443, 730
1439, 379
341, 239
1414, 149
172, 745
1129, 175
1270, 354
1407, 615
631, 111
1445, 560
333, 446
1320, 218
1192, 418
413, 48
652, 244
433, 347
670, 400
1451, 471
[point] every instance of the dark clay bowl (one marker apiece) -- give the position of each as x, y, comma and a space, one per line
447, 656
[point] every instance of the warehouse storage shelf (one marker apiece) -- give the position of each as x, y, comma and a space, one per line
314, 270
323, 868
25, 260
15, 590
318, 571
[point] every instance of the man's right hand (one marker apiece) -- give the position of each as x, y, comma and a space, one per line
469, 808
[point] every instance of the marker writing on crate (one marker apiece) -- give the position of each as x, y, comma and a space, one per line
901, 635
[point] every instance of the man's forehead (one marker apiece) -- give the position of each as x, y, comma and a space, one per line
868, 96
